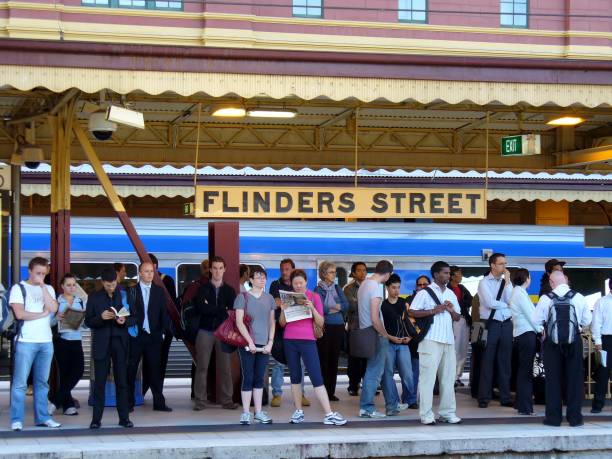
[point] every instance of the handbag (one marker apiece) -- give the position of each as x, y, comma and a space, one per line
362, 342
228, 331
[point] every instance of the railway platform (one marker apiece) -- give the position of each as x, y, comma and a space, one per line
496, 432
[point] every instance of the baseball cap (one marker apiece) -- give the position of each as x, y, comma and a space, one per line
550, 264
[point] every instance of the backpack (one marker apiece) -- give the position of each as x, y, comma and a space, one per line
9, 325
562, 323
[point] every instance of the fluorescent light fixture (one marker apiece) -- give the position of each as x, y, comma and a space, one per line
565, 121
125, 116
271, 113
229, 112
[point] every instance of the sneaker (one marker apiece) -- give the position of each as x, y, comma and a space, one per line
428, 422
450, 419
276, 401
371, 414
16, 426
297, 417
393, 412
51, 408
245, 419
72, 411
50, 423
403, 406
263, 418
334, 419
305, 401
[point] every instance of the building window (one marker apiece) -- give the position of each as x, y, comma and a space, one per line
308, 8
513, 13
137, 4
412, 10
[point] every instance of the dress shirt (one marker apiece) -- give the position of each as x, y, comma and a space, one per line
583, 314
146, 293
487, 294
522, 313
441, 330
602, 318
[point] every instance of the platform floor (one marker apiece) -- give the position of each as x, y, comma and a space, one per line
214, 432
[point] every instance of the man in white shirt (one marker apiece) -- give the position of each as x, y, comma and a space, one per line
563, 349
601, 329
33, 345
437, 350
494, 294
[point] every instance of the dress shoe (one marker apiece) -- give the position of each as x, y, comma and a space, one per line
229, 406
127, 424
165, 408
595, 410
577, 424
413, 406
507, 404
546, 422
131, 409
95, 425
333, 398
353, 393
483, 405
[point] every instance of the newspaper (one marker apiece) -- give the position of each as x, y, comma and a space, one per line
296, 310
73, 320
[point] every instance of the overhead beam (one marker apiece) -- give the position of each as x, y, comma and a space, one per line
585, 157
475, 124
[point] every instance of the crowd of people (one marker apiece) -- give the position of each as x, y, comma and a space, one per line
424, 338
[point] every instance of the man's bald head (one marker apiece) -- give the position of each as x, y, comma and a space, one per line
557, 278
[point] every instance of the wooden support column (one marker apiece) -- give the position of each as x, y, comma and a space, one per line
552, 213
127, 224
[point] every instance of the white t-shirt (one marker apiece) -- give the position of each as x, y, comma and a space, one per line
39, 330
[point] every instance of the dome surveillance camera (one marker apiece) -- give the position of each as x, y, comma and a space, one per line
100, 127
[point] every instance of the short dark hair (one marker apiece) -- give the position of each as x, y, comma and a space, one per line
383, 267
454, 269
393, 279
154, 260
108, 275
423, 276
287, 260
118, 266
520, 276
298, 273
217, 259
142, 264
38, 261
67, 276
438, 266
257, 269
243, 269
493, 258
357, 264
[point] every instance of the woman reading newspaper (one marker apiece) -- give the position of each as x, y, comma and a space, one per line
300, 310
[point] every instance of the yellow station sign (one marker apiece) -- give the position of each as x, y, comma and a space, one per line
346, 202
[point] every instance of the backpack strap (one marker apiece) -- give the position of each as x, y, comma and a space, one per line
500, 292
433, 295
570, 294
23, 292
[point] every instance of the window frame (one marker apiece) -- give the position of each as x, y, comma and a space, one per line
308, 16
411, 10
149, 5
513, 14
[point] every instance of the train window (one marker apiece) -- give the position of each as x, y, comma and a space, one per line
88, 274
591, 282
189, 272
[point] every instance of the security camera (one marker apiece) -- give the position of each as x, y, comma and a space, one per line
100, 127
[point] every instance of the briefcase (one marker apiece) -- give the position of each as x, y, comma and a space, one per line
478, 334
363, 342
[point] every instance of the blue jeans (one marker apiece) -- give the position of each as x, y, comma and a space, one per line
397, 355
277, 371
37, 357
373, 374
410, 396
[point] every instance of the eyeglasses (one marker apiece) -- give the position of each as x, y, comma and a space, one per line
422, 285
331, 272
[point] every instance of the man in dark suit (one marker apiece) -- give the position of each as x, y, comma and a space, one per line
109, 342
148, 305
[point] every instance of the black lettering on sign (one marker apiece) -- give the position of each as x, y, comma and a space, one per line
245, 201
398, 201
226, 206
347, 205
417, 200
209, 199
379, 203
454, 207
261, 202
435, 203
473, 198
304, 204
326, 199
284, 202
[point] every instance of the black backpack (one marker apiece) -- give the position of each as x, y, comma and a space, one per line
562, 324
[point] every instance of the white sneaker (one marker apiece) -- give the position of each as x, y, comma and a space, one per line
16, 426
297, 417
402, 406
51, 408
450, 419
371, 414
245, 419
262, 418
334, 419
50, 423
72, 411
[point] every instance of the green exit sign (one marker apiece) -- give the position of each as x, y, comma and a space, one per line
521, 145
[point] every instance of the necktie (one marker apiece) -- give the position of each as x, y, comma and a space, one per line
146, 294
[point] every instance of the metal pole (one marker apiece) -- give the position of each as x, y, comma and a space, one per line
15, 224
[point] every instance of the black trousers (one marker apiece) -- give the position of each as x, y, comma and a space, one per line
526, 349
355, 370
564, 364
602, 374
147, 347
475, 364
70, 364
329, 353
497, 356
118, 354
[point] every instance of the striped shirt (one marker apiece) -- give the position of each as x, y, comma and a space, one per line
441, 329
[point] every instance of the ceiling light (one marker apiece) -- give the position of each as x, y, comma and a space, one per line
271, 113
229, 111
565, 121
